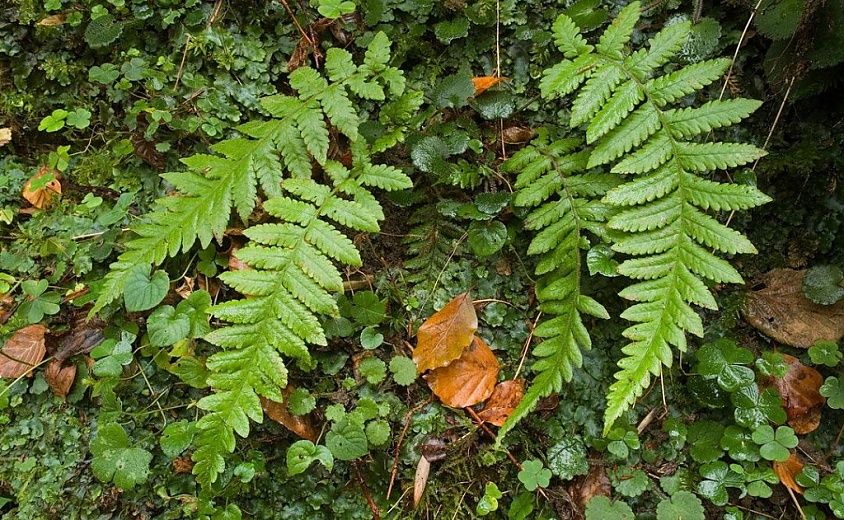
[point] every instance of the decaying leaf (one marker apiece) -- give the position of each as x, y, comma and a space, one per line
468, 380
800, 392
482, 83
433, 449
23, 351
518, 134
778, 308
42, 188
81, 340
504, 399
147, 152
301, 425
446, 334
786, 471
595, 483
60, 378
420, 480
52, 21
5, 136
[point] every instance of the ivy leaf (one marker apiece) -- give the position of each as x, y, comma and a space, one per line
630, 482
403, 370
602, 508
347, 440
723, 360
487, 238
822, 284
833, 390
568, 459
165, 326
116, 460
373, 370
176, 437
301, 454
534, 474
682, 505
143, 292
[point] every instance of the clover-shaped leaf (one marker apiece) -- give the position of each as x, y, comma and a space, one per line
717, 477
739, 444
774, 445
755, 407
833, 390
724, 361
534, 475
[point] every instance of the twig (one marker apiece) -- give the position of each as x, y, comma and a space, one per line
395, 469
188, 38
372, 505
738, 48
646, 421
796, 503
295, 21
527, 346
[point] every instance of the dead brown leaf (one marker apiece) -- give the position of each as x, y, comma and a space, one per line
301, 425
504, 399
467, 381
446, 334
786, 471
517, 134
23, 351
40, 190
596, 483
482, 83
52, 21
5, 136
800, 392
60, 378
420, 480
780, 310
81, 340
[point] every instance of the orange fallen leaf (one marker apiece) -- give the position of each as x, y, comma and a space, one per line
596, 483
420, 480
786, 471
799, 389
446, 334
504, 399
299, 424
60, 378
482, 83
23, 351
42, 188
467, 381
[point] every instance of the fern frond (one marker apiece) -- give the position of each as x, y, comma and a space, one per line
290, 281
297, 134
661, 220
564, 207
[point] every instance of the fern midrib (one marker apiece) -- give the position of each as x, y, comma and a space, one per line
657, 338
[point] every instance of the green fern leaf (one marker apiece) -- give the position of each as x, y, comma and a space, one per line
660, 219
549, 181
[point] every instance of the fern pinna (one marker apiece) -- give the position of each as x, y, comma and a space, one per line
291, 269
636, 129
551, 180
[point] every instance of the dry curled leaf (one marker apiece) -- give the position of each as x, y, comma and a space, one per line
5, 136
778, 308
517, 134
81, 340
60, 378
800, 392
596, 483
420, 480
786, 471
301, 425
482, 83
23, 351
52, 21
446, 334
468, 380
504, 399
42, 188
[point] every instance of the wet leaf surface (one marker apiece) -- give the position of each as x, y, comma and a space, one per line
446, 334
467, 381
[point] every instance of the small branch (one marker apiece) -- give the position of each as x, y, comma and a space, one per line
527, 346
395, 469
376, 515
